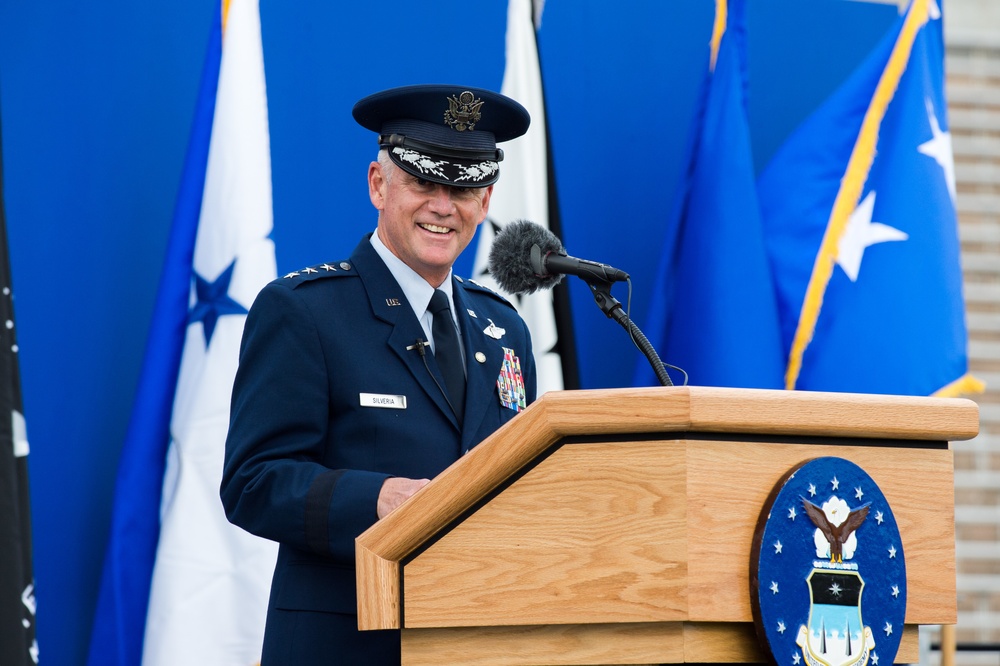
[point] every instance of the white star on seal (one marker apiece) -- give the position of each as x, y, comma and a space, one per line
781, 627
887, 629
796, 658
791, 513
892, 552
835, 590
777, 547
879, 517
835, 483
774, 587
857, 493
895, 590
860, 234
874, 659
939, 148
812, 490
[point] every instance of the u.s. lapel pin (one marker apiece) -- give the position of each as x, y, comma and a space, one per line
494, 331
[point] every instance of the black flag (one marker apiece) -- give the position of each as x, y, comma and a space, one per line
17, 587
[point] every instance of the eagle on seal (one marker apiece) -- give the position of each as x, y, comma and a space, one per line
836, 533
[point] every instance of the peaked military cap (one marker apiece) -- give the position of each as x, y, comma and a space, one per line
442, 133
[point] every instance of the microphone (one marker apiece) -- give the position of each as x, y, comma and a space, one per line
526, 257
419, 345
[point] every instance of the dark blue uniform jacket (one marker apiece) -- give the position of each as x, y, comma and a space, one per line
306, 457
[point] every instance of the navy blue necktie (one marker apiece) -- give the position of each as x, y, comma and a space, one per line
447, 352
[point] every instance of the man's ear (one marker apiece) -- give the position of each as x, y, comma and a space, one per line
376, 185
486, 202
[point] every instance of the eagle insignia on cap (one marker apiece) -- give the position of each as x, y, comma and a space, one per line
463, 112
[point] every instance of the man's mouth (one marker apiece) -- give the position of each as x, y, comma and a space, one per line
433, 228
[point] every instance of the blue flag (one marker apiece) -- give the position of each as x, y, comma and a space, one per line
714, 312
120, 618
180, 584
859, 215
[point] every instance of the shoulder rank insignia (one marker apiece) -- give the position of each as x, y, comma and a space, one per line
482, 288
320, 270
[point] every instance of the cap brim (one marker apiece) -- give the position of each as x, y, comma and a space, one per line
453, 171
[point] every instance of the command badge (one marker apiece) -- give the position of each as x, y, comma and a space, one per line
827, 576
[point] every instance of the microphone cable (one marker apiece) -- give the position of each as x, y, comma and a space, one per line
420, 345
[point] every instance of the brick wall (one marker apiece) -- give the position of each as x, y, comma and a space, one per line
973, 88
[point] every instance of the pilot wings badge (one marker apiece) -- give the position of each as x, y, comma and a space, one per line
494, 331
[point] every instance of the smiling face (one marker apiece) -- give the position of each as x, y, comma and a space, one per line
425, 224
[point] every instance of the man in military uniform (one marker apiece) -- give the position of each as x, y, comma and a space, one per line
359, 380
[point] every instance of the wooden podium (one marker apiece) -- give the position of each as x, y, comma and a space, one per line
615, 526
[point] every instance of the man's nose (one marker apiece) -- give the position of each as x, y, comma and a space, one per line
441, 200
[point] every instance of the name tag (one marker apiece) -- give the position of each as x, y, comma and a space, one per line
385, 401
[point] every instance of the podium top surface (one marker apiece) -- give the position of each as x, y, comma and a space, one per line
758, 411
644, 411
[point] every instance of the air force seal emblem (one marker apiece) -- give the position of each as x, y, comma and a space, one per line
827, 577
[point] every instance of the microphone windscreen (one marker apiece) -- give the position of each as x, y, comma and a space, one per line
510, 257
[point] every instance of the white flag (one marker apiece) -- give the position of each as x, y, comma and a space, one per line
522, 191
211, 579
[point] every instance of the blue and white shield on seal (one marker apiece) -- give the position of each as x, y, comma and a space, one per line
835, 634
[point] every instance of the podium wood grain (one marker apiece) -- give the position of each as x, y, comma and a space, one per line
652, 532
524, 537
561, 645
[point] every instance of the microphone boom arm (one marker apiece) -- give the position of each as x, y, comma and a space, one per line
613, 309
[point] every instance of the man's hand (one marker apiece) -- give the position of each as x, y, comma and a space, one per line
395, 491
